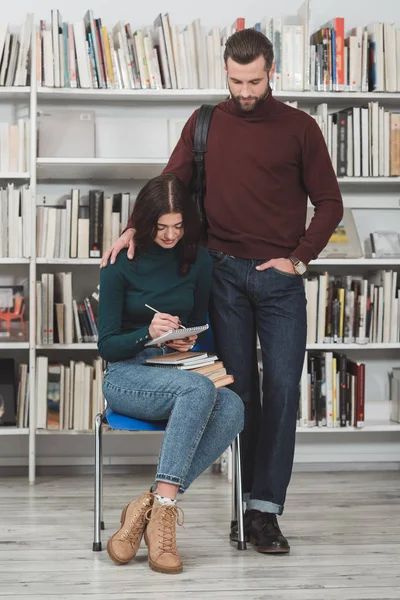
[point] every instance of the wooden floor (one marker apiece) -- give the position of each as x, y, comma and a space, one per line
344, 530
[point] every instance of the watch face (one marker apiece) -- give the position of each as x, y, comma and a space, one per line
301, 268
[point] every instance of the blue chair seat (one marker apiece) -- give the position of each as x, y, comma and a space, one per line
117, 421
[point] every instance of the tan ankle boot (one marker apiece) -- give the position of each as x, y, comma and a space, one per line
123, 545
160, 537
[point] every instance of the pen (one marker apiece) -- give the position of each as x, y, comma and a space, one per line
157, 311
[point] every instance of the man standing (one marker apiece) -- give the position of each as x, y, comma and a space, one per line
263, 160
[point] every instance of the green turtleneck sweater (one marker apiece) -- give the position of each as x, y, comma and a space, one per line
150, 278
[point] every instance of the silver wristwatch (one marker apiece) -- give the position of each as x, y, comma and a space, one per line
299, 267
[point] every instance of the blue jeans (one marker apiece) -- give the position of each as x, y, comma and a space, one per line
202, 421
271, 303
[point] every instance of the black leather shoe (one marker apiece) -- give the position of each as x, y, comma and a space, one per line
247, 519
266, 536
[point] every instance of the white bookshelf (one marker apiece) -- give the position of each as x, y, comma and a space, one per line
14, 431
20, 177
15, 93
364, 193
14, 261
205, 95
67, 347
84, 262
358, 347
13, 346
53, 169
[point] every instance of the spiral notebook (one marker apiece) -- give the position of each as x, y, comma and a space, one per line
177, 334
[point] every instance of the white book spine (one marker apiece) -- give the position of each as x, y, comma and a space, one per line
56, 48
287, 58
82, 62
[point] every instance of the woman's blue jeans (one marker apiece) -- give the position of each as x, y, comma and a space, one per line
202, 420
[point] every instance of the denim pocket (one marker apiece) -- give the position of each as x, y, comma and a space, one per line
284, 273
218, 258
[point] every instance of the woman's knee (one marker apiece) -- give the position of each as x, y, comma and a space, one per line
232, 407
203, 386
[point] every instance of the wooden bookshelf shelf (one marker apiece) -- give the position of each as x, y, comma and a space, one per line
369, 180
14, 93
14, 176
14, 431
141, 168
14, 345
355, 262
52, 169
345, 347
14, 261
369, 427
95, 262
196, 95
84, 346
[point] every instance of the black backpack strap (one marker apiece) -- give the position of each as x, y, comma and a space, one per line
200, 148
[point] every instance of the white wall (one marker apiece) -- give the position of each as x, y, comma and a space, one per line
139, 14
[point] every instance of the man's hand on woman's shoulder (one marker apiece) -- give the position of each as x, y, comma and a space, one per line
124, 241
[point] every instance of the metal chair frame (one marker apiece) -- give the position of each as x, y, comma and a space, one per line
237, 504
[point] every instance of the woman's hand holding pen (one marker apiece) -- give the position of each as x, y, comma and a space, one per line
183, 345
161, 323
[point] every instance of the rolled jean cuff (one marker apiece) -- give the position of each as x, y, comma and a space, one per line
169, 479
264, 506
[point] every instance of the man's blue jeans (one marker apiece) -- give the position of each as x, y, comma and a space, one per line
272, 303
202, 421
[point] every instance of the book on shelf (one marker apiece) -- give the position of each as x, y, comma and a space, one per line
8, 407
394, 386
15, 53
385, 244
68, 396
332, 391
14, 394
15, 146
87, 54
66, 133
13, 309
60, 319
344, 242
363, 141
82, 226
15, 221
353, 309
197, 362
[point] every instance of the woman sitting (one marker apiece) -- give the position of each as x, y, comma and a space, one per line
171, 273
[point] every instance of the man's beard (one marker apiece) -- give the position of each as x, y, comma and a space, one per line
252, 101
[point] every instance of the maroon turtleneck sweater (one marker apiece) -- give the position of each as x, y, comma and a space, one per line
260, 167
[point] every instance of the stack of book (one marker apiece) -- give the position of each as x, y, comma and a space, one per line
15, 222
82, 226
332, 391
15, 53
352, 309
74, 321
68, 396
14, 146
197, 362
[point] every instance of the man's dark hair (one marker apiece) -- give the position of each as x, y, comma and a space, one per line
245, 46
163, 195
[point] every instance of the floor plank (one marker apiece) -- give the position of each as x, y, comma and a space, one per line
344, 530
